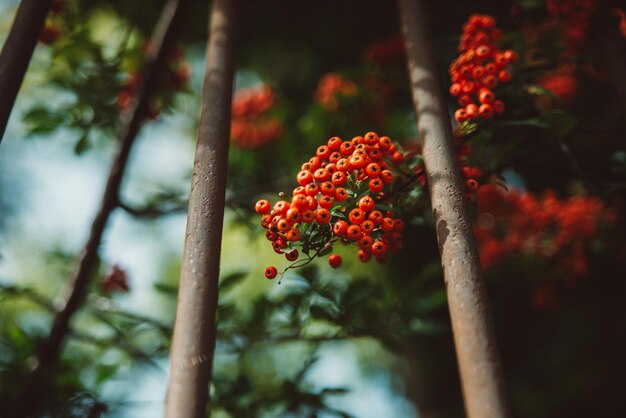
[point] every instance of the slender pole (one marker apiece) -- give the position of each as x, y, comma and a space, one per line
50, 348
17, 51
194, 337
477, 353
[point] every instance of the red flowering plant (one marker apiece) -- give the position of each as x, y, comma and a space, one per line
253, 124
352, 192
360, 97
479, 69
518, 223
573, 16
348, 193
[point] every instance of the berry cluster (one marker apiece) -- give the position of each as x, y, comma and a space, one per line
479, 69
575, 16
561, 82
251, 126
115, 281
178, 74
339, 199
330, 87
385, 52
545, 227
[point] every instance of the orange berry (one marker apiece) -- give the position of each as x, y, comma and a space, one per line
271, 272
335, 261
340, 194
485, 111
322, 216
262, 206
293, 235
354, 232
340, 228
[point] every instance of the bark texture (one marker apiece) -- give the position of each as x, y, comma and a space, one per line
477, 353
194, 337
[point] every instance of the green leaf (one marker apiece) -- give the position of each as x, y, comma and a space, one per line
427, 327
42, 120
434, 301
231, 280
539, 91
105, 371
166, 288
558, 121
82, 145
320, 312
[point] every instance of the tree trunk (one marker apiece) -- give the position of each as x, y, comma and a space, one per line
477, 353
194, 330
17, 52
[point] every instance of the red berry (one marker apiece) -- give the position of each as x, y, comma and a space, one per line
455, 89
326, 202
486, 96
270, 272
356, 216
387, 176
504, 76
304, 177
339, 178
340, 194
498, 106
293, 235
335, 260
366, 204
334, 143
293, 215
354, 232
263, 206
485, 111
340, 228
472, 111
472, 184
364, 256
397, 157
321, 174
368, 226
50, 34
292, 255
323, 152
376, 185
281, 207
322, 216
372, 170
307, 216
461, 115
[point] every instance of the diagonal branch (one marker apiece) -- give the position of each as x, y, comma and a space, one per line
17, 52
50, 347
476, 348
194, 337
